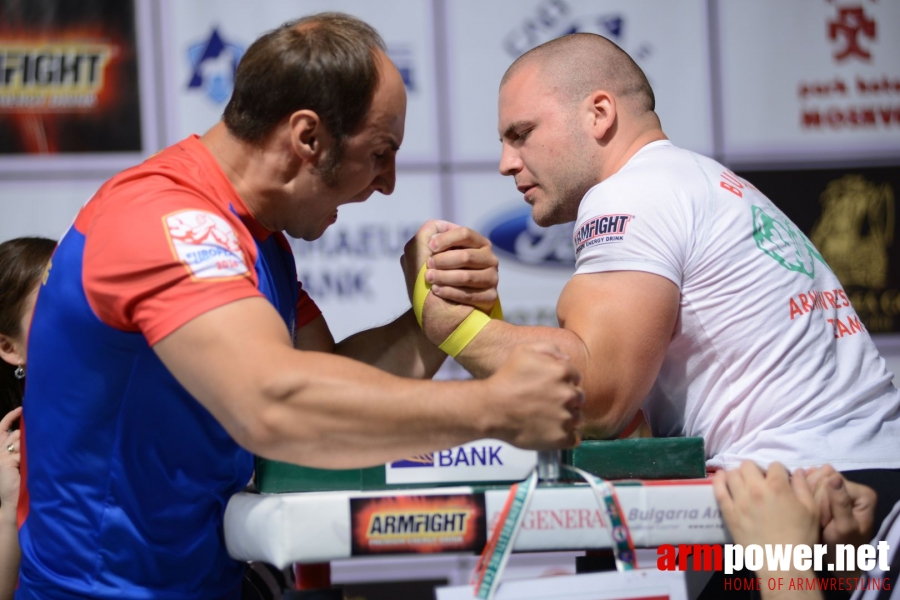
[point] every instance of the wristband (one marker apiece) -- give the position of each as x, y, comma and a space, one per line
466, 331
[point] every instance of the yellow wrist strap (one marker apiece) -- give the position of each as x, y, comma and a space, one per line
420, 292
466, 331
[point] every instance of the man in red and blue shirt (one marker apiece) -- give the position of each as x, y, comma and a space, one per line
171, 341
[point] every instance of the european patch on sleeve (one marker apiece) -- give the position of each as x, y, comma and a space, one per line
205, 244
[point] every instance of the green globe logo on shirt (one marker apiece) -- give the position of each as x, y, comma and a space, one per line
781, 240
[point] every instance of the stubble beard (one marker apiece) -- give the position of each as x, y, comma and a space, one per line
326, 168
563, 199
568, 186
329, 164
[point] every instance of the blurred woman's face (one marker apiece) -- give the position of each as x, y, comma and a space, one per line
21, 341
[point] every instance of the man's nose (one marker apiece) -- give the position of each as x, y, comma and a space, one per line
387, 177
510, 161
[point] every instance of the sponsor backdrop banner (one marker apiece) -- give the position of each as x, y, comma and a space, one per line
486, 37
417, 524
850, 216
205, 39
810, 79
69, 83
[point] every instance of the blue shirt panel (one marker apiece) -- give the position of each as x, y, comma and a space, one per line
128, 475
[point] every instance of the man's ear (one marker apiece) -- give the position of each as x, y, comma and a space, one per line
603, 111
308, 135
11, 350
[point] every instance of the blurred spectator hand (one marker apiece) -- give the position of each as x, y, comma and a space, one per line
847, 509
767, 508
9, 460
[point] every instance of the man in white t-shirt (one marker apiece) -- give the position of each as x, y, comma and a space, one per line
695, 298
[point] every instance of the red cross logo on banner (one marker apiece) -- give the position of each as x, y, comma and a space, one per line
850, 23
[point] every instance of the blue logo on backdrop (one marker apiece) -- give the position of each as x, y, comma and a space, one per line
214, 62
515, 233
555, 18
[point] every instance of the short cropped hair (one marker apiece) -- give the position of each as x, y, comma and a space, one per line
324, 62
579, 63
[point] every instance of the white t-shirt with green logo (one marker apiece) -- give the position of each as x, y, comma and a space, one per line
769, 361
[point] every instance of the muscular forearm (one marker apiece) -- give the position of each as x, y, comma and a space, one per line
609, 405
313, 408
615, 328
492, 346
9, 552
349, 415
400, 347
323, 410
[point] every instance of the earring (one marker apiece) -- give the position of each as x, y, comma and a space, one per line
20, 372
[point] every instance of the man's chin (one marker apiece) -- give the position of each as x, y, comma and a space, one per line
311, 237
306, 236
544, 218
547, 216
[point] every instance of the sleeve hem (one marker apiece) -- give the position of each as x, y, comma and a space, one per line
307, 316
158, 330
631, 265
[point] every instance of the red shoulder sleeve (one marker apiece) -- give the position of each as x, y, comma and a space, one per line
162, 256
307, 310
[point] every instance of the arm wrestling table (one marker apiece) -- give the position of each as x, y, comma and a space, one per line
420, 505
314, 528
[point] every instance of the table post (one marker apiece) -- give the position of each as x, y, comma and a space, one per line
313, 582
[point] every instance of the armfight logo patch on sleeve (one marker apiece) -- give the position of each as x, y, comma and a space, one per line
606, 229
205, 244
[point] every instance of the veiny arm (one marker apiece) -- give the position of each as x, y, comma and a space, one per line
615, 327
328, 411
